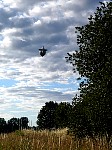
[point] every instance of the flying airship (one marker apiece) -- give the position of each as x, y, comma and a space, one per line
42, 51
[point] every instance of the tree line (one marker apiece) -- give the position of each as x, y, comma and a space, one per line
13, 124
90, 113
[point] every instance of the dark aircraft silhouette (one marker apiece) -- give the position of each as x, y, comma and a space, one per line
42, 51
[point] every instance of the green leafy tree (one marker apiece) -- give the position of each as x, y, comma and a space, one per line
82, 121
93, 61
46, 116
23, 123
13, 124
2, 125
94, 57
62, 114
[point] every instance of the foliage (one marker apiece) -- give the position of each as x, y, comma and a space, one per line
46, 116
23, 121
93, 61
2, 125
62, 115
13, 124
54, 115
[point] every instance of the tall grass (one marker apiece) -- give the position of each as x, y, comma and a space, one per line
48, 140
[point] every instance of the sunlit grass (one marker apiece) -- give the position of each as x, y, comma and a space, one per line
48, 140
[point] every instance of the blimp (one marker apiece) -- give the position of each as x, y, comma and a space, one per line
42, 51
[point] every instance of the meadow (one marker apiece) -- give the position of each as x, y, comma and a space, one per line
48, 140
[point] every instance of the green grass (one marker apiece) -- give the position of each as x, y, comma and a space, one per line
46, 140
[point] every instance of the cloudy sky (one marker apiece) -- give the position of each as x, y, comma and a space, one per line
28, 80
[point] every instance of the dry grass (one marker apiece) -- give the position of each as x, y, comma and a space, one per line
46, 140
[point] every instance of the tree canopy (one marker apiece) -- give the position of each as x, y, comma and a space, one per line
54, 115
2, 125
93, 61
46, 116
94, 57
63, 114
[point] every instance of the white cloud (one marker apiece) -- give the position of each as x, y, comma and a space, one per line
5, 42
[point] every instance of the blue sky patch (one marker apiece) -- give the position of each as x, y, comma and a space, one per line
7, 82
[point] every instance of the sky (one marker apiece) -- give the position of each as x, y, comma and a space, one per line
27, 80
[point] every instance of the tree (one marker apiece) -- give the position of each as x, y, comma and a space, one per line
13, 124
62, 114
46, 116
2, 125
23, 123
93, 61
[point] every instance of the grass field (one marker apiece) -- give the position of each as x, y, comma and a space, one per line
48, 140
